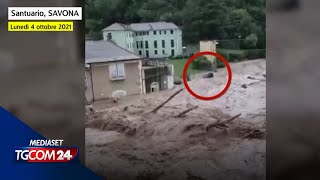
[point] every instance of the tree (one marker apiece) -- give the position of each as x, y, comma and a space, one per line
201, 19
251, 41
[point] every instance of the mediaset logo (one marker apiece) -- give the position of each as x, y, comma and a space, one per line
46, 151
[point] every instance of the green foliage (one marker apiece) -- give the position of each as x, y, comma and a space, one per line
201, 63
220, 64
199, 19
225, 55
237, 57
251, 41
252, 54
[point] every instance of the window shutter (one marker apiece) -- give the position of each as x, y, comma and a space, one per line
113, 70
120, 68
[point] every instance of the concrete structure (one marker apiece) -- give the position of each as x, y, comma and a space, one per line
110, 67
154, 40
210, 45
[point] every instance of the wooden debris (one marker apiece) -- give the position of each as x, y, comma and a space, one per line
185, 112
231, 119
214, 116
256, 82
224, 123
256, 115
162, 104
190, 126
253, 134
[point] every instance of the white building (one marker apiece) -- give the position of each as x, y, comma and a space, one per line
154, 40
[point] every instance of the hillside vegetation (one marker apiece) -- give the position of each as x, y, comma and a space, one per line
199, 20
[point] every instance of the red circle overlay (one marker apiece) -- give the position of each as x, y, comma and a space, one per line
184, 75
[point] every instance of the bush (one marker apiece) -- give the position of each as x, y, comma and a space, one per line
251, 41
190, 55
195, 64
220, 64
237, 57
178, 57
229, 44
201, 63
256, 54
225, 55
262, 54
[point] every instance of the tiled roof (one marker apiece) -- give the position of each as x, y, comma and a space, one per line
117, 27
106, 51
142, 26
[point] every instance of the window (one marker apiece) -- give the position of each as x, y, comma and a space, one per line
109, 36
163, 52
155, 44
172, 43
140, 52
137, 43
163, 44
117, 71
165, 31
172, 52
147, 53
155, 52
171, 31
147, 45
141, 44
160, 32
147, 32
154, 32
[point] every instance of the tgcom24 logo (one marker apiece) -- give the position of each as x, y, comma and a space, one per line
46, 151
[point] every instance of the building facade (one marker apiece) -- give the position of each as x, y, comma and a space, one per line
153, 40
110, 67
